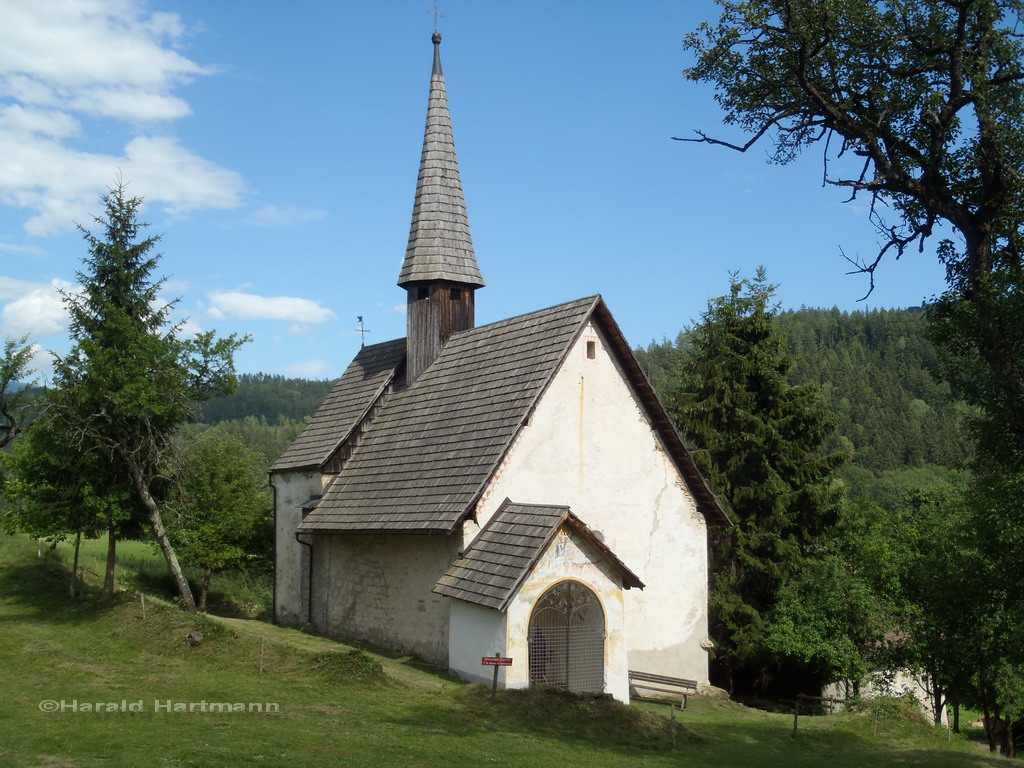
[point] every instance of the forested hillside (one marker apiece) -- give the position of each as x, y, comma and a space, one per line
874, 368
270, 397
267, 412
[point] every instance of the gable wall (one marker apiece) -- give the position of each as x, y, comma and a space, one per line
376, 587
589, 445
570, 558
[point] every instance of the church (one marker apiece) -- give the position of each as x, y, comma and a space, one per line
513, 489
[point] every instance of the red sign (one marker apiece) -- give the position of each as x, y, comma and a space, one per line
496, 661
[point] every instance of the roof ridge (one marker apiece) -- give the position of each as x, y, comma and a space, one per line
594, 299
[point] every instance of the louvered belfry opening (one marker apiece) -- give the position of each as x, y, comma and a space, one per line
567, 639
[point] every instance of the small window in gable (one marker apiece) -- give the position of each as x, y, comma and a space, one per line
591, 350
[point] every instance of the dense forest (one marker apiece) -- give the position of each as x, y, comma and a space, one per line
274, 399
266, 412
892, 415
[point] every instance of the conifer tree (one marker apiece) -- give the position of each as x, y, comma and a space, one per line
129, 380
758, 440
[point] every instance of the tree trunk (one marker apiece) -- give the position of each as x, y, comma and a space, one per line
956, 717
73, 583
160, 534
108, 576
207, 574
1008, 738
936, 692
990, 726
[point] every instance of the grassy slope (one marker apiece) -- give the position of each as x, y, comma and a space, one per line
340, 710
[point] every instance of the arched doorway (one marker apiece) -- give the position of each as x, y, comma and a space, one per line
567, 639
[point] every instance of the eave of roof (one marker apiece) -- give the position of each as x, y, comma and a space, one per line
504, 553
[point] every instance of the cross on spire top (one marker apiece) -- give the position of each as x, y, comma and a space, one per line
436, 14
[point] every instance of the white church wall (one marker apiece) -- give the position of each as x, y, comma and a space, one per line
569, 558
475, 632
377, 588
590, 446
291, 598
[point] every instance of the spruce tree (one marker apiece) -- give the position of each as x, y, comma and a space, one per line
130, 380
758, 441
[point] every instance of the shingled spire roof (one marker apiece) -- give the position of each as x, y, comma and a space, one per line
440, 246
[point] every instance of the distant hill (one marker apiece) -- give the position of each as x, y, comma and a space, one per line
875, 370
264, 396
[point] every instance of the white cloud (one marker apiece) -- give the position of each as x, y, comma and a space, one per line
11, 288
308, 369
63, 49
189, 328
277, 216
167, 173
27, 120
129, 104
61, 184
65, 60
32, 250
40, 365
253, 307
33, 309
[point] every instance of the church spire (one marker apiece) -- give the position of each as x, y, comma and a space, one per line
440, 246
440, 272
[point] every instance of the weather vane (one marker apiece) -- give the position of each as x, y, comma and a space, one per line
361, 331
436, 14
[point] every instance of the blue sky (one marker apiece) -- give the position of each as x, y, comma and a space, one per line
277, 144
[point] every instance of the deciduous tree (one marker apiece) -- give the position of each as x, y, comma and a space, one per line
915, 104
224, 510
15, 369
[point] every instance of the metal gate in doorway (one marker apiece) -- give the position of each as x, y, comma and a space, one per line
567, 639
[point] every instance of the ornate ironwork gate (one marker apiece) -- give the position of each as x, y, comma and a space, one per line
567, 639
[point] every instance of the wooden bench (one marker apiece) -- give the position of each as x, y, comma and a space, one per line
648, 681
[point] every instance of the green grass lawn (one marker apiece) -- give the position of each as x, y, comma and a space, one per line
341, 706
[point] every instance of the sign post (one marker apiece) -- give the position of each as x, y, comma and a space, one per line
496, 661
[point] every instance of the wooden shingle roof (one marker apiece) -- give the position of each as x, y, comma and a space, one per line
429, 453
440, 246
502, 555
349, 400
